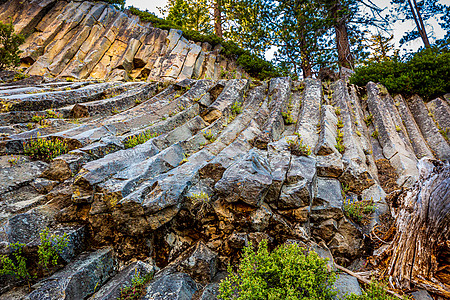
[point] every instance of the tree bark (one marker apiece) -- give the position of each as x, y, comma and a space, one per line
345, 56
218, 18
421, 247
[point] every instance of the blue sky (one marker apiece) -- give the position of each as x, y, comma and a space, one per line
399, 28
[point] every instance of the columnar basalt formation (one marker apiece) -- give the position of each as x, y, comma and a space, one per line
176, 178
218, 170
82, 39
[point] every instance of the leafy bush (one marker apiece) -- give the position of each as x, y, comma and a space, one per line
285, 273
9, 42
45, 149
425, 73
252, 64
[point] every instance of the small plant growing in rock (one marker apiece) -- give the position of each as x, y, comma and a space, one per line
337, 110
359, 211
209, 136
140, 139
137, 288
13, 160
185, 157
383, 90
288, 272
115, 111
45, 149
398, 128
339, 142
375, 134
51, 248
340, 124
358, 133
369, 119
444, 132
200, 200
51, 114
374, 291
287, 117
30, 126
37, 118
236, 108
344, 189
15, 264
298, 148
137, 101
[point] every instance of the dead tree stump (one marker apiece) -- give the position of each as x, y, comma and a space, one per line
420, 250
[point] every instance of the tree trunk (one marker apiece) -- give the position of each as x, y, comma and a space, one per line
421, 247
345, 56
218, 18
419, 23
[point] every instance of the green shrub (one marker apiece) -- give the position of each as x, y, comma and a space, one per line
15, 264
137, 288
339, 141
236, 108
45, 149
51, 248
285, 273
287, 117
9, 46
298, 148
425, 73
140, 139
373, 291
359, 211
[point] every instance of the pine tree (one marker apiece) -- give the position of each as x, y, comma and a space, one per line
189, 14
300, 32
9, 46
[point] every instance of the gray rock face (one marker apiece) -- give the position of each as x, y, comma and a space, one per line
418, 143
347, 284
210, 292
310, 112
429, 129
78, 279
201, 264
327, 202
248, 180
177, 286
